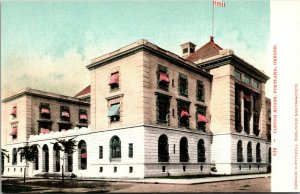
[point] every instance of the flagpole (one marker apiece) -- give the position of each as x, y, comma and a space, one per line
212, 24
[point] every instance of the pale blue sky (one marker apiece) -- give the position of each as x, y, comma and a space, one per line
46, 45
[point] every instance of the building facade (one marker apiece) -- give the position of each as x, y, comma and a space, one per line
154, 113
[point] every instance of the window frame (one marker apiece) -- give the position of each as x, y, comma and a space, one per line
162, 100
115, 149
161, 84
245, 78
163, 148
200, 91
235, 73
183, 85
130, 150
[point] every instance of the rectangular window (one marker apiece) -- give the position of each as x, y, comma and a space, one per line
130, 169
14, 112
183, 108
255, 84
174, 149
115, 169
201, 117
100, 152
163, 109
83, 117
238, 124
237, 75
163, 168
247, 80
200, 90
163, 78
45, 110
65, 113
101, 169
114, 81
114, 112
130, 150
183, 85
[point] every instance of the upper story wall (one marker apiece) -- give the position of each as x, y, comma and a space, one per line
238, 94
137, 89
29, 118
129, 94
152, 65
9, 121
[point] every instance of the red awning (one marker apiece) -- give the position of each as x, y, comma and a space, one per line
44, 131
45, 110
14, 131
202, 118
83, 155
184, 114
247, 98
114, 79
14, 111
163, 77
65, 114
83, 116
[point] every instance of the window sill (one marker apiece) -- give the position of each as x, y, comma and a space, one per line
115, 159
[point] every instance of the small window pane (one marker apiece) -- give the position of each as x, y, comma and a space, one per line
237, 75
247, 80
255, 84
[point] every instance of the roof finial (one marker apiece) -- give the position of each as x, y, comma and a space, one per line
211, 39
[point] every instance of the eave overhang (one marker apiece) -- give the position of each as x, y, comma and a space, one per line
153, 49
238, 63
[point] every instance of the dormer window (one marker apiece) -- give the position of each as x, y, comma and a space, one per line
114, 81
14, 112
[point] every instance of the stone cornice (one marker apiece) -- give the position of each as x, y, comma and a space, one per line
144, 45
238, 63
46, 95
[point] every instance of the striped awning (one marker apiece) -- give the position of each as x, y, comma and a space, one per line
202, 118
114, 79
163, 77
184, 113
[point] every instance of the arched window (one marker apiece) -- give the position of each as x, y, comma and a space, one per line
45, 158
56, 158
36, 158
240, 157
270, 155
82, 152
258, 155
249, 152
163, 148
184, 152
201, 151
15, 156
115, 147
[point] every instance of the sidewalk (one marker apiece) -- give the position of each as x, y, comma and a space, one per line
189, 181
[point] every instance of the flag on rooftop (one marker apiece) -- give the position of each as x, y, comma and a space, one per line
219, 3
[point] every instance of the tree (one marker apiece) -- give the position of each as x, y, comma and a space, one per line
4, 153
29, 153
66, 146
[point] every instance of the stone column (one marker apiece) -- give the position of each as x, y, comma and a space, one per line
242, 111
51, 159
251, 111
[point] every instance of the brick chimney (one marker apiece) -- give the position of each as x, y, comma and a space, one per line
187, 49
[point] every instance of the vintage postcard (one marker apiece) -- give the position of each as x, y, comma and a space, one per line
149, 96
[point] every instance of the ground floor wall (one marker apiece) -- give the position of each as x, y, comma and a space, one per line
138, 152
253, 153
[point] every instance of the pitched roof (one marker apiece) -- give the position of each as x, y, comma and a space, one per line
85, 91
208, 50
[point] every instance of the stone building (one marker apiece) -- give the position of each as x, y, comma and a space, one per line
154, 113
